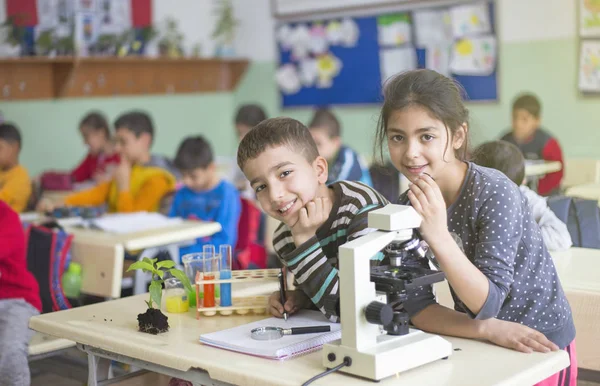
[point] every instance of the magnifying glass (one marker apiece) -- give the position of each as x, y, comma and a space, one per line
272, 333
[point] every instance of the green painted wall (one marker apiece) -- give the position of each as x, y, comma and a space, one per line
547, 68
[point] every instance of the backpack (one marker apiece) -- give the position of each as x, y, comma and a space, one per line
582, 217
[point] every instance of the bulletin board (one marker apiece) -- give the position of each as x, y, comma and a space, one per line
589, 47
345, 61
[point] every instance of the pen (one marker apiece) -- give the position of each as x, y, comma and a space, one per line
282, 292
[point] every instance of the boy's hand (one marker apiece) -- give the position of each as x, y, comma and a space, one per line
310, 218
123, 175
295, 300
516, 336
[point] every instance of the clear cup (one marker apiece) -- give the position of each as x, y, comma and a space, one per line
176, 299
192, 265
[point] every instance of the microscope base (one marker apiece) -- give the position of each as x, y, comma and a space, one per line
391, 354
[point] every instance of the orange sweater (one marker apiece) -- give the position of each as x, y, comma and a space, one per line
15, 188
147, 187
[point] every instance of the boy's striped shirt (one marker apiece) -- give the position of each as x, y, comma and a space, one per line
315, 263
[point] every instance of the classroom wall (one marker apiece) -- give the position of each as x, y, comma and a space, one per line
538, 52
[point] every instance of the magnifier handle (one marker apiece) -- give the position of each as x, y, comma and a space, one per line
309, 330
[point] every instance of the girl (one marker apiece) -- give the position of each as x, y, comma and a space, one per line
477, 225
101, 159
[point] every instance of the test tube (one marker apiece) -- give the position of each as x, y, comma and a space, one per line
208, 265
225, 273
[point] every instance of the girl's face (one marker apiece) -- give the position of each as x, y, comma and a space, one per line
419, 143
94, 139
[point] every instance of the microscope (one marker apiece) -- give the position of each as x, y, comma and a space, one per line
375, 328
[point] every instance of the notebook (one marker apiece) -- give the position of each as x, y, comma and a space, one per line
238, 338
132, 222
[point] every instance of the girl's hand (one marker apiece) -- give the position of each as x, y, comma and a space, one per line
426, 197
516, 336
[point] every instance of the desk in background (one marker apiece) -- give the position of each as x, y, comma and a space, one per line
537, 169
588, 191
108, 330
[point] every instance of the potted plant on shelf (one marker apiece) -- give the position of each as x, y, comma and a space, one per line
153, 321
224, 32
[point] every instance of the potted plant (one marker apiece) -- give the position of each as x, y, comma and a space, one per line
224, 32
153, 321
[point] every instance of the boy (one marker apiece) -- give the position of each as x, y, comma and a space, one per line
507, 158
205, 196
19, 300
139, 182
344, 163
534, 142
247, 117
15, 185
282, 163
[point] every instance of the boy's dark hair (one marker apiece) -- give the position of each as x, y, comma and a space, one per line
326, 119
96, 121
529, 103
502, 156
277, 132
250, 115
440, 96
138, 122
10, 133
193, 153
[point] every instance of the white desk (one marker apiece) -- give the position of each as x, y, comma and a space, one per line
541, 168
589, 191
109, 330
579, 273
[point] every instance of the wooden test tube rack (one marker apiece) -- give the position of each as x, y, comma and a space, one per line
239, 305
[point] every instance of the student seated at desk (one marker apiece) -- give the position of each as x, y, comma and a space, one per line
535, 142
477, 225
280, 159
344, 163
15, 185
139, 182
507, 158
102, 158
19, 300
205, 196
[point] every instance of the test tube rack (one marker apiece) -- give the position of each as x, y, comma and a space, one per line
239, 305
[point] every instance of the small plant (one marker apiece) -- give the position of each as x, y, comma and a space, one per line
224, 32
153, 321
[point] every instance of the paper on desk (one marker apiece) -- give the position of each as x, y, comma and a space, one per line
133, 222
239, 339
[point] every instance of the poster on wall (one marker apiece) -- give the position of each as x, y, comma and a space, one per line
474, 56
589, 66
589, 18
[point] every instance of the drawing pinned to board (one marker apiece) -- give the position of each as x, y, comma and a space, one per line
589, 66
284, 36
470, 20
300, 42
589, 13
474, 56
437, 58
328, 67
318, 44
394, 30
287, 79
308, 72
432, 27
350, 33
334, 32
396, 60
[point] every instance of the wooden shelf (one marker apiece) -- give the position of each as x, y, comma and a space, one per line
68, 77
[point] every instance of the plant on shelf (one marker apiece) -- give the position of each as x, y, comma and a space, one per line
224, 32
170, 43
153, 321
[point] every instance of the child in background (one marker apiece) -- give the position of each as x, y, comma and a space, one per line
344, 163
139, 182
101, 160
205, 196
477, 225
507, 158
534, 142
15, 185
280, 159
19, 300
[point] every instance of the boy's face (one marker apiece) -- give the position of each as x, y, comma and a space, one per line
241, 130
284, 181
130, 146
199, 179
524, 124
9, 153
94, 139
328, 146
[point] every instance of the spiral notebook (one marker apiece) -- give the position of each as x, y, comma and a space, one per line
238, 338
